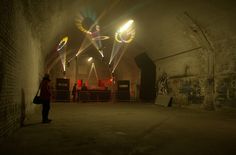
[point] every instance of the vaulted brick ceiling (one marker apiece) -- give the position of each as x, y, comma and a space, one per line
163, 27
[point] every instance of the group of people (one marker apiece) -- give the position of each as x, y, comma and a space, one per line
74, 90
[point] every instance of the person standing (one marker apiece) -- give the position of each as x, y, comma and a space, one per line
74, 92
84, 96
45, 95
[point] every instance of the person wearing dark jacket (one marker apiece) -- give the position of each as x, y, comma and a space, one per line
45, 95
74, 92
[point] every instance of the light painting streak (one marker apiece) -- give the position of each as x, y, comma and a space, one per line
115, 49
96, 43
95, 71
96, 40
63, 60
90, 59
85, 44
101, 38
62, 52
126, 26
118, 59
62, 43
124, 35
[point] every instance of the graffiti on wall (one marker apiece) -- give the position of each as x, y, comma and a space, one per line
192, 90
162, 84
226, 90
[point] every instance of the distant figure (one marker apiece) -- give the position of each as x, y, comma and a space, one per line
45, 95
74, 90
84, 87
84, 93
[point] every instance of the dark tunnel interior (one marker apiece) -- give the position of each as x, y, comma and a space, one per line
173, 58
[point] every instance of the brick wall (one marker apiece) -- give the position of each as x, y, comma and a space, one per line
9, 108
20, 65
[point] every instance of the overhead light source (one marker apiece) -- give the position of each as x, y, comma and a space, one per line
126, 26
126, 33
90, 59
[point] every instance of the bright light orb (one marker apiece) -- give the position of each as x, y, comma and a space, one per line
90, 59
126, 26
62, 43
126, 33
124, 38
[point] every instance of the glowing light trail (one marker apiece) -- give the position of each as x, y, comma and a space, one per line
118, 59
95, 71
115, 49
101, 38
85, 44
90, 59
62, 43
93, 33
124, 35
62, 52
126, 26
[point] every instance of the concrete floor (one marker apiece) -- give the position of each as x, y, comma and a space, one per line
125, 129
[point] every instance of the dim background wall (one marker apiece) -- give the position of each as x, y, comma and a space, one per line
185, 57
128, 70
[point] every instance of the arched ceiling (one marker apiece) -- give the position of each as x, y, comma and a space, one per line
163, 27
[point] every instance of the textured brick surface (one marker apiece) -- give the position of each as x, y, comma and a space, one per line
19, 67
9, 108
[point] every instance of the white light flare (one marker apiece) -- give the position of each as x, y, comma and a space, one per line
126, 26
126, 33
90, 59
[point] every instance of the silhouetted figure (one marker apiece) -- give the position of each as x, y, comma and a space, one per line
74, 90
84, 88
84, 93
45, 95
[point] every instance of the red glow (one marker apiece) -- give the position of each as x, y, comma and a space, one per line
86, 84
79, 83
105, 82
101, 83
